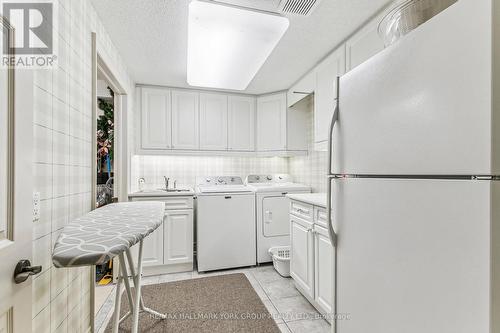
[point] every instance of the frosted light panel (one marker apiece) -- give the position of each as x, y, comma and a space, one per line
228, 45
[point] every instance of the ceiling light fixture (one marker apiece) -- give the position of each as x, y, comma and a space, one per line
227, 45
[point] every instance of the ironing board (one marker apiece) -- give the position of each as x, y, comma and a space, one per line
105, 233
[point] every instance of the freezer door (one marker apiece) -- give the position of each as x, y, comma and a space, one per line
413, 256
423, 105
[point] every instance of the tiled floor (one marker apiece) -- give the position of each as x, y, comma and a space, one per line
101, 295
292, 311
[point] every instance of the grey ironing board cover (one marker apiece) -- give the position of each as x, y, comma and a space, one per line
100, 235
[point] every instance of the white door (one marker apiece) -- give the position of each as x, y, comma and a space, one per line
326, 92
276, 217
323, 269
415, 255
153, 248
16, 211
271, 122
156, 118
178, 227
185, 120
302, 255
241, 124
213, 121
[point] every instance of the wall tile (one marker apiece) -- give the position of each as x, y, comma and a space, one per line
60, 213
61, 180
42, 226
58, 281
40, 292
42, 114
63, 159
43, 180
41, 323
58, 310
42, 252
42, 144
61, 148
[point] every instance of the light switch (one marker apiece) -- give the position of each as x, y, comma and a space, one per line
36, 206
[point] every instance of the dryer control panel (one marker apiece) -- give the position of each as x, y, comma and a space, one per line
276, 178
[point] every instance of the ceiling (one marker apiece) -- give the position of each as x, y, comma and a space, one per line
151, 36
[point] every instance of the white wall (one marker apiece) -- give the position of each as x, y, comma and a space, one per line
62, 162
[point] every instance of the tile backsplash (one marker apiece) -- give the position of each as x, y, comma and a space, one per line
310, 169
185, 169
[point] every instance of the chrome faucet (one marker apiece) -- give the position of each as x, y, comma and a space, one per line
167, 181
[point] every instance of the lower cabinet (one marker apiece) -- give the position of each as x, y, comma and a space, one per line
178, 237
152, 249
302, 255
323, 269
312, 257
169, 249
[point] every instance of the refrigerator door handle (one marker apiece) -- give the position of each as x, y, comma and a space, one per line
335, 117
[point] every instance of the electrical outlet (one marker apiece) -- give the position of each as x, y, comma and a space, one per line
36, 206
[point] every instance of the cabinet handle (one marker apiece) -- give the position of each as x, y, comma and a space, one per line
228, 197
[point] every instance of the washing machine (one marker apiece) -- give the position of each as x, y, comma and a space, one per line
272, 210
225, 223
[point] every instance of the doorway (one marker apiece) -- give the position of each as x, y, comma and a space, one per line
109, 170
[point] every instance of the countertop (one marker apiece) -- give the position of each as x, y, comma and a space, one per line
161, 194
316, 199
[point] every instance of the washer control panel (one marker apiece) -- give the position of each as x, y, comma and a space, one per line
219, 180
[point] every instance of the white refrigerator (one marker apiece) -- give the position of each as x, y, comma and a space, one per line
415, 198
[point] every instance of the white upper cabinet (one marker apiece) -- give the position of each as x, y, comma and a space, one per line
185, 119
213, 121
326, 92
180, 121
364, 44
303, 88
241, 117
271, 122
156, 118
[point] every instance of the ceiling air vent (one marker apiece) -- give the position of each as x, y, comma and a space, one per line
298, 7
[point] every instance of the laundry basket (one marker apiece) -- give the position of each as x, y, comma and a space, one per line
281, 259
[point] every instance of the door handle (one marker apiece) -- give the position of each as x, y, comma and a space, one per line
24, 270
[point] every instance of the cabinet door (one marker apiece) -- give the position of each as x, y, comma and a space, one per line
302, 255
185, 120
156, 118
213, 121
241, 123
153, 248
178, 237
271, 122
326, 92
302, 89
323, 269
275, 216
363, 45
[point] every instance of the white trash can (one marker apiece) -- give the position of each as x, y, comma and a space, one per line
281, 259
